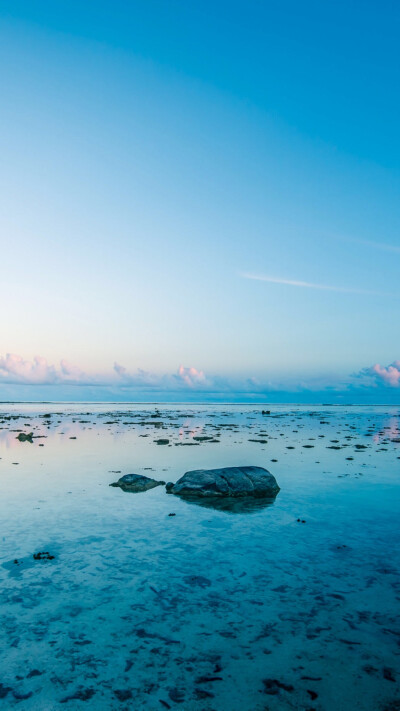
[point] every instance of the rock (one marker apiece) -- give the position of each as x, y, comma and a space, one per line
4, 690
197, 580
81, 695
25, 437
123, 694
136, 483
177, 695
226, 482
272, 686
43, 555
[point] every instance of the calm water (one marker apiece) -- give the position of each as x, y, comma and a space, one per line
208, 610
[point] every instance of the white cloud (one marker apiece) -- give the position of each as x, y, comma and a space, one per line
191, 377
71, 372
307, 285
139, 377
185, 377
14, 369
380, 245
120, 370
389, 375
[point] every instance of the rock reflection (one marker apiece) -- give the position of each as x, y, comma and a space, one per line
231, 505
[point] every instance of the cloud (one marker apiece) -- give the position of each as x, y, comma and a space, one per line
185, 377
139, 378
389, 375
191, 377
14, 369
24, 379
384, 246
309, 285
120, 370
71, 372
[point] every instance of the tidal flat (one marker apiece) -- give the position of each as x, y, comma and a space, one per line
118, 600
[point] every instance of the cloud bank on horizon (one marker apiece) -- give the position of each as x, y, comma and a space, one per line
16, 371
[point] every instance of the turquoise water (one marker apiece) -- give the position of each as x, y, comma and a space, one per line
214, 610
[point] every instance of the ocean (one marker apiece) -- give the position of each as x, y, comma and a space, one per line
116, 600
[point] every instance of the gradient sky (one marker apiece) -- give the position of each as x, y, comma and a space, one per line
212, 185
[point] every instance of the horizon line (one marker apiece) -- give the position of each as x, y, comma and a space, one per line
202, 402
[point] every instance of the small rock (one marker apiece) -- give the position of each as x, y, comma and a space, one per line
80, 695
388, 674
123, 694
176, 695
43, 555
273, 686
197, 581
136, 482
25, 437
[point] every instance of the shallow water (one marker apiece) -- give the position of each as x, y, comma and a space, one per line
224, 610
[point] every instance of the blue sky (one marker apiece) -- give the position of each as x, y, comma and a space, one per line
199, 200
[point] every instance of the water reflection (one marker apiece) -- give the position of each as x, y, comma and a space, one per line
205, 609
231, 505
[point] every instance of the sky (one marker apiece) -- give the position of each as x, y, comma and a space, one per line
199, 201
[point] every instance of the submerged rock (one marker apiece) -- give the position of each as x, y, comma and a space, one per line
43, 555
136, 483
227, 482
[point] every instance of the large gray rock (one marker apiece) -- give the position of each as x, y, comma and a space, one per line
229, 482
136, 483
